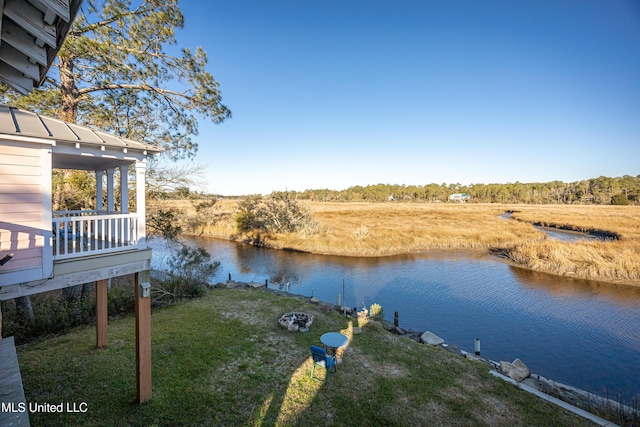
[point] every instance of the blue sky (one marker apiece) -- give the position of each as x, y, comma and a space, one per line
331, 94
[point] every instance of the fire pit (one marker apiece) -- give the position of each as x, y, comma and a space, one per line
296, 321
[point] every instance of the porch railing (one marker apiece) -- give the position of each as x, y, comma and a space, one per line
62, 214
92, 234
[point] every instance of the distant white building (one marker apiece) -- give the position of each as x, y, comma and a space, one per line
459, 197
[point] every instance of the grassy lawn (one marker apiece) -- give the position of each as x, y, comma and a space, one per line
224, 360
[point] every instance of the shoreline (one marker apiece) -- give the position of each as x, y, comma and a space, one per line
472, 252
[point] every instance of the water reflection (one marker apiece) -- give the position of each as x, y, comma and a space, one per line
550, 322
563, 286
566, 236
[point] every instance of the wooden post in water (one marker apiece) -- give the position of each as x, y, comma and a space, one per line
396, 321
344, 301
229, 276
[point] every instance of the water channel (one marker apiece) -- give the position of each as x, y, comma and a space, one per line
578, 332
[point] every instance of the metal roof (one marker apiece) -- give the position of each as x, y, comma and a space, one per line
18, 122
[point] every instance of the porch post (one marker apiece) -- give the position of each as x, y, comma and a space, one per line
141, 168
143, 339
101, 313
124, 189
99, 175
110, 193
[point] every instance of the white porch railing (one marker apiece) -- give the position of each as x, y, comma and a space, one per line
62, 214
92, 234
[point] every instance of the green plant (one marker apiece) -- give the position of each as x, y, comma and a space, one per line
190, 270
165, 223
376, 312
278, 213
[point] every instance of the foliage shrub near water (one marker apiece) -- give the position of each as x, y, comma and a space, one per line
279, 213
190, 270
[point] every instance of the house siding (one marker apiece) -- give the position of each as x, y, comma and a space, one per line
24, 190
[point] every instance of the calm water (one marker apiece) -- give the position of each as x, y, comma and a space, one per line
577, 332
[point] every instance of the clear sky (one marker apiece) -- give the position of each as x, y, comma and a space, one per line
336, 93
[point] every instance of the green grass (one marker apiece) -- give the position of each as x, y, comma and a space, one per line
224, 360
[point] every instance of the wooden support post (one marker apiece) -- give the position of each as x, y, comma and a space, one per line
101, 313
143, 339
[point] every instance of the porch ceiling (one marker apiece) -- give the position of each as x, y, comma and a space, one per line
87, 162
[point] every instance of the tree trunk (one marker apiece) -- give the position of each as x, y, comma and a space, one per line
68, 91
69, 113
24, 310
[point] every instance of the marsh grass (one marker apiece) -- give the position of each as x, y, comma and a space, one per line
379, 229
621, 221
615, 260
224, 360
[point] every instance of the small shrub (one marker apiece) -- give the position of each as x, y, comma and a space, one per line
278, 213
190, 271
376, 312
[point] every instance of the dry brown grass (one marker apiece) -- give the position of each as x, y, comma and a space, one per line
379, 229
623, 221
614, 261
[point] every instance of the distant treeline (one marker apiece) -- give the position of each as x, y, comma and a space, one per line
603, 190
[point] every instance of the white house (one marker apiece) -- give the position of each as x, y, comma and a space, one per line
42, 250
459, 197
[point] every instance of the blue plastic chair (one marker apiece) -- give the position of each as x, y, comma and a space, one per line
321, 358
